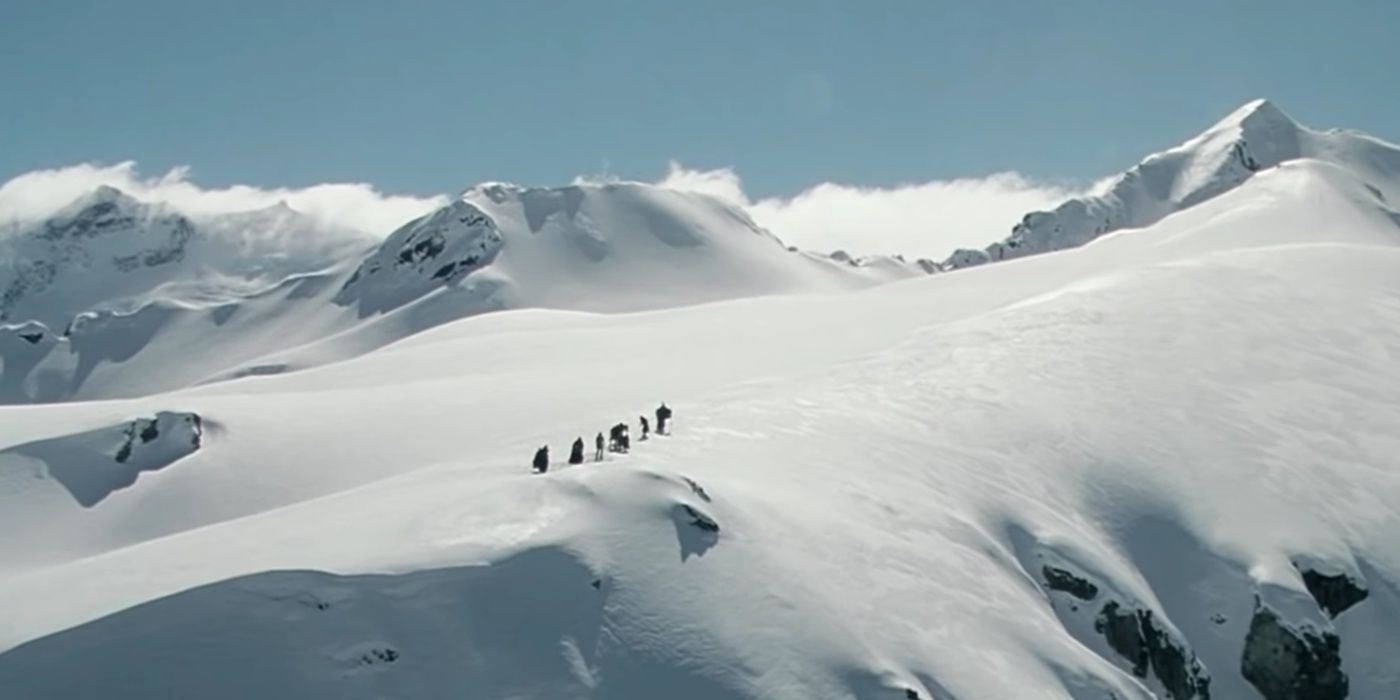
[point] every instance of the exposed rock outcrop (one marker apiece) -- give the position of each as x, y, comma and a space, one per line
1057, 579
1284, 663
422, 255
1136, 635
1334, 593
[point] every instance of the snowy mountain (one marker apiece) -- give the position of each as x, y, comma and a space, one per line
108, 250
1157, 465
133, 298
1256, 137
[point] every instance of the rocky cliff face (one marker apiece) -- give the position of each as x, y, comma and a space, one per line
426, 253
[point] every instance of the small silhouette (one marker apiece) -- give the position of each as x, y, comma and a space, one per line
646, 427
663, 414
576, 454
598, 448
542, 459
617, 438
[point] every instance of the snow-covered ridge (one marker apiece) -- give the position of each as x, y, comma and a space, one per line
598, 247
108, 250
236, 295
1255, 137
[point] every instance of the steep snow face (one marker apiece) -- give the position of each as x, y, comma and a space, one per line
108, 250
1160, 466
1256, 137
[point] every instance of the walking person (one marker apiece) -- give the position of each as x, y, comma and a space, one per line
617, 438
663, 414
598, 448
645, 428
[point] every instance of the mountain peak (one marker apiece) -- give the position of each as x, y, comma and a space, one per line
1256, 114
105, 196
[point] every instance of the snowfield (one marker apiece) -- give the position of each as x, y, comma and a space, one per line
1162, 464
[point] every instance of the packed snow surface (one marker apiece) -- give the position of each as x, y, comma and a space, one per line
1162, 464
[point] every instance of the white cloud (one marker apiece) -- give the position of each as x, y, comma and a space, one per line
929, 219
345, 206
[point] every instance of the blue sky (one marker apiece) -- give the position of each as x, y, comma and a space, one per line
432, 96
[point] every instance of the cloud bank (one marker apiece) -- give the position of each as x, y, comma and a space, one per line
352, 207
928, 219
922, 220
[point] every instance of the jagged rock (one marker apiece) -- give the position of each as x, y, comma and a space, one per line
386, 655
1060, 580
701, 521
421, 255
1136, 636
1335, 593
1287, 664
965, 257
696, 489
143, 431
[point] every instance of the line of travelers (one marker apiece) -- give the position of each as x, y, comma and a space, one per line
618, 441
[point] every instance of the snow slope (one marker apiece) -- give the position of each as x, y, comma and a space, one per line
172, 318
1158, 465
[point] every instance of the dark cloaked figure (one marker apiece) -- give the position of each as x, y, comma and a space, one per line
646, 427
542, 459
617, 437
598, 448
663, 414
576, 454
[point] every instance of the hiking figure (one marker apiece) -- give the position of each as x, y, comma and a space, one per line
542, 459
576, 454
617, 438
598, 448
646, 427
663, 414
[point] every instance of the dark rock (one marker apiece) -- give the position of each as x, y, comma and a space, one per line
1060, 580
426, 249
150, 432
697, 489
32, 338
1136, 636
1124, 635
1286, 664
700, 520
386, 655
124, 452
1333, 593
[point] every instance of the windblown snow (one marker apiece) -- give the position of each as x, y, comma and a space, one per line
1158, 463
